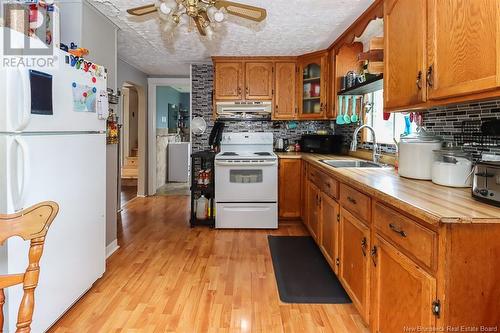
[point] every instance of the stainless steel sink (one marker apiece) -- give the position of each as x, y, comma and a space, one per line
351, 164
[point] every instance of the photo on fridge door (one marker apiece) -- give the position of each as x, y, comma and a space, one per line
84, 98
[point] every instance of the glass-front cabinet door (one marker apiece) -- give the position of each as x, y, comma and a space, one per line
313, 90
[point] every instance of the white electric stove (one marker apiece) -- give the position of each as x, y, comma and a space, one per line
246, 182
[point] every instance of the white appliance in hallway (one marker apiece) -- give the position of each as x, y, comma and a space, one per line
246, 182
178, 161
53, 147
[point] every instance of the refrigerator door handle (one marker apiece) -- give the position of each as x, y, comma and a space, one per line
19, 204
26, 100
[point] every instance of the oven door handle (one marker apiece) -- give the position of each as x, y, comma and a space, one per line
249, 163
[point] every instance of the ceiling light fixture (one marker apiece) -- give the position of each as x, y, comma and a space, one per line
205, 13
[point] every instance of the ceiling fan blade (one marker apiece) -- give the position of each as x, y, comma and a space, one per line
199, 24
142, 10
246, 11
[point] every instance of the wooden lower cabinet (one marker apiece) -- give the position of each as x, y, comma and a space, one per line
330, 223
402, 292
354, 270
290, 184
313, 210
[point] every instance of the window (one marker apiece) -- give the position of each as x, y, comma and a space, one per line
386, 130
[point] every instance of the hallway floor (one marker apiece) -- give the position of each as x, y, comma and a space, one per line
167, 277
174, 189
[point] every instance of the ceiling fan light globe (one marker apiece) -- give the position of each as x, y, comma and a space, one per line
165, 9
219, 16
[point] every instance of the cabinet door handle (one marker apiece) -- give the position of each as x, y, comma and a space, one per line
239, 90
397, 230
351, 200
430, 81
328, 185
373, 254
246, 90
419, 80
363, 246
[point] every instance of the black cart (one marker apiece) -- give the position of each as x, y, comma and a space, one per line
203, 162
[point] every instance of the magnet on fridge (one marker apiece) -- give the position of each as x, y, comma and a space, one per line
66, 58
94, 90
86, 65
74, 84
94, 80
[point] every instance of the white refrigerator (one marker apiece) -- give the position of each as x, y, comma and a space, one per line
53, 147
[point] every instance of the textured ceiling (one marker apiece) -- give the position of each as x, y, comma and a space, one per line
292, 27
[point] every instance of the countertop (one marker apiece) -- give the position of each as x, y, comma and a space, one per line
423, 199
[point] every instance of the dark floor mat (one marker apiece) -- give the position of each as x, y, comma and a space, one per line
302, 273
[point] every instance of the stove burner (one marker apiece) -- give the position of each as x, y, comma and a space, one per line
229, 154
263, 154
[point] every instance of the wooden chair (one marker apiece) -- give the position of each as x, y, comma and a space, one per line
31, 225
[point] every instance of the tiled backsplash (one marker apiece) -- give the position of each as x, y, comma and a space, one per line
445, 121
202, 86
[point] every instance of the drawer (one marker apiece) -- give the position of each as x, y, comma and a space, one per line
331, 187
324, 182
355, 202
315, 176
416, 240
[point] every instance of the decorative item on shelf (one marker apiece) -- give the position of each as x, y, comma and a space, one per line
113, 98
206, 14
112, 129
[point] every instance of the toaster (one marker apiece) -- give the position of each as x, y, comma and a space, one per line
486, 182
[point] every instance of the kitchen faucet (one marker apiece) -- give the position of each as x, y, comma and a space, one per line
354, 143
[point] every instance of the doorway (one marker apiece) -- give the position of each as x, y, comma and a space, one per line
132, 143
170, 138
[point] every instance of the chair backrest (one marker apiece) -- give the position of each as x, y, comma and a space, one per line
31, 225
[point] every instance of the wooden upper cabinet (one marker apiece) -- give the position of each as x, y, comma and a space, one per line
289, 188
313, 86
354, 270
464, 47
259, 80
286, 92
404, 53
330, 222
402, 292
228, 80
331, 111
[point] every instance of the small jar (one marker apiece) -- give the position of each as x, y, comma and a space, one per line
452, 167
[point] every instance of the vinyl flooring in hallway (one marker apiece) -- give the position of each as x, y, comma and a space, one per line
167, 277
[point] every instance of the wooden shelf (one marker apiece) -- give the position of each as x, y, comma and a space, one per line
311, 98
371, 85
312, 79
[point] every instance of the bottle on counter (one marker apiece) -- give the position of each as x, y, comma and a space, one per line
297, 146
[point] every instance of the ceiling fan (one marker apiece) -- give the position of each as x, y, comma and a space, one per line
205, 13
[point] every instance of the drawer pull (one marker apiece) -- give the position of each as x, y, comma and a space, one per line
397, 230
363, 246
351, 200
328, 185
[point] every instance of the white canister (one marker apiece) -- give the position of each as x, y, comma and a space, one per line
452, 167
416, 154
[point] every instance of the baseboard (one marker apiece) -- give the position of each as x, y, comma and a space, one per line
111, 248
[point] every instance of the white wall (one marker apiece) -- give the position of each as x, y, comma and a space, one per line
128, 73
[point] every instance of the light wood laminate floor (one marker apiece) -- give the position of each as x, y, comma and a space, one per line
167, 277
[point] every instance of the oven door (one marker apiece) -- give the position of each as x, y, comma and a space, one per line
246, 181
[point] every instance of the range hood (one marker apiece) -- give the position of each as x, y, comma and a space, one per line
244, 110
